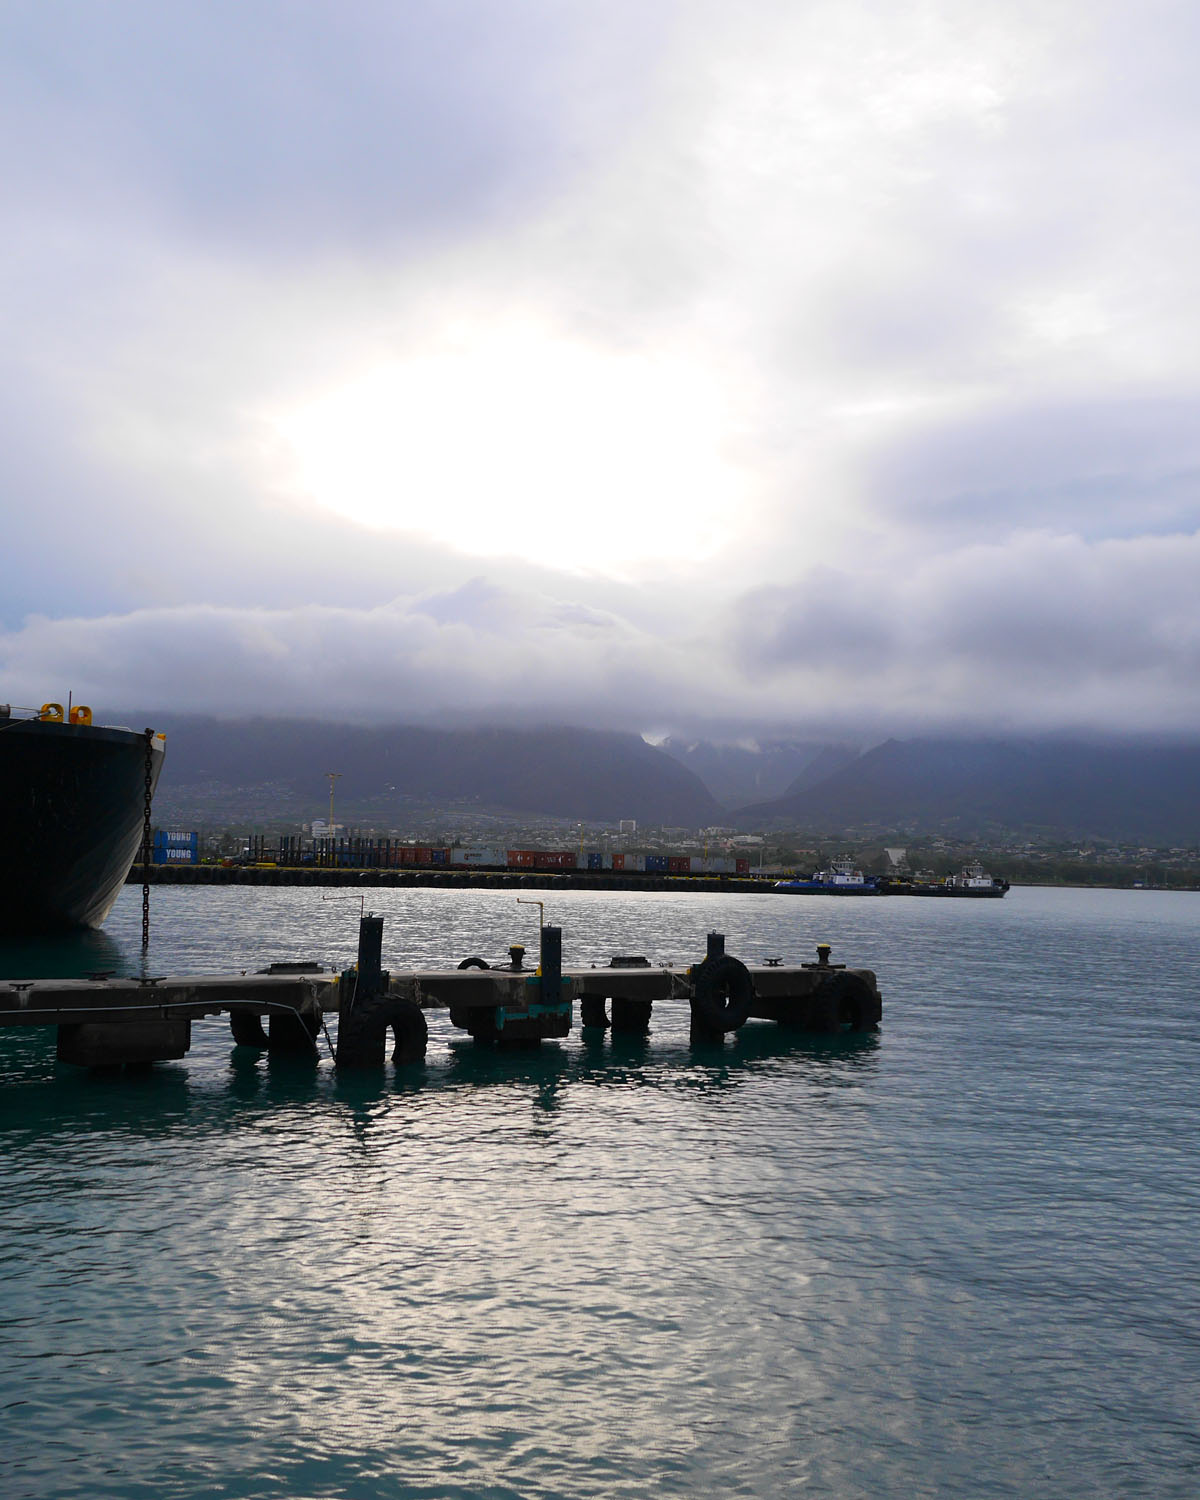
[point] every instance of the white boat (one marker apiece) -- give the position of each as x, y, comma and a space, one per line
972, 880
843, 878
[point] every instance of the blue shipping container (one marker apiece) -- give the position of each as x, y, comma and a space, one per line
176, 848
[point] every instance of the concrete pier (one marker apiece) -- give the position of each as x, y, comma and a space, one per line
107, 1020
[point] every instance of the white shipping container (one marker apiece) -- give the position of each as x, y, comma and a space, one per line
474, 854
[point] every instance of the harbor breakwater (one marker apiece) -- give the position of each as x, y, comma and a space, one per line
455, 878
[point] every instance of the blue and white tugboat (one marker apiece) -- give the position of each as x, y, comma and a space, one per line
843, 878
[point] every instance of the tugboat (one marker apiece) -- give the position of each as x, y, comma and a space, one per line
74, 801
842, 878
970, 881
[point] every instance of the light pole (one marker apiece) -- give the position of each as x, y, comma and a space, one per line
333, 776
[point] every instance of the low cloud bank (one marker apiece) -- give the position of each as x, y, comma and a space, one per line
1046, 632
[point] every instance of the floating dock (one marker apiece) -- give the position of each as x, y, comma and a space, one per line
107, 1021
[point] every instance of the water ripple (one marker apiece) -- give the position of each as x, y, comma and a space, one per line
954, 1259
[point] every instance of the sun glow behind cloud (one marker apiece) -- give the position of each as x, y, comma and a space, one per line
521, 443
820, 329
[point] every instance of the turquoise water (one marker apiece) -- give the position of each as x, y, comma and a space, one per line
955, 1258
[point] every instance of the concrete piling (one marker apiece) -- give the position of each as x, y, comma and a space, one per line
631, 1015
103, 1044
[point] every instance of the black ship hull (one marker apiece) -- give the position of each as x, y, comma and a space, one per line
73, 797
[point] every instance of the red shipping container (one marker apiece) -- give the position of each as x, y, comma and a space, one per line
523, 858
680, 864
618, 862
742, 866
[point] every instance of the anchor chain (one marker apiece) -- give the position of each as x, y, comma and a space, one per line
147, 794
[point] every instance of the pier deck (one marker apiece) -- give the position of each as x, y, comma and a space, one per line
59, 1002
106, 1019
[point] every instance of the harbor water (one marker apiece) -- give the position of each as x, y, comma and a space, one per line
954, 1258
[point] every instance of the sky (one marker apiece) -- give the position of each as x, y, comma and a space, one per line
793, 366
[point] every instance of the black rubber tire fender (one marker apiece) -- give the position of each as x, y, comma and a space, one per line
410, 1030
364, 1031
474, 963
722, 993
855, 1002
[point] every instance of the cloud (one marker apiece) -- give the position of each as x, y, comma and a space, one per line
483, 652
1041, 633
769, 364
289, 128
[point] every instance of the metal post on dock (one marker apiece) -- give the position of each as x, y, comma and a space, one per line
370, 957
551, 965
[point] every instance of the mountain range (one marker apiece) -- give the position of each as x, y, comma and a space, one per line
758, 770
1125, 791
555, 772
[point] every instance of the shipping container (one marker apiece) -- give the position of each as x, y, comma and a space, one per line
595, 860
474, 854
680, 864
176, 848
618, 862
523, 859
658, 864
742, 866
635, 862
557, 859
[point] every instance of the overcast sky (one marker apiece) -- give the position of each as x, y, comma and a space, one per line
752, 367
